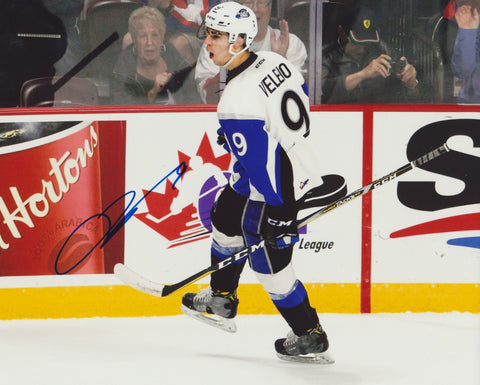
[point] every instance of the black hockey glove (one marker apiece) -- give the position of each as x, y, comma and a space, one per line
221, 140
280, 229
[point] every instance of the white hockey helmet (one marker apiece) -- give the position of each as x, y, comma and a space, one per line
235, 19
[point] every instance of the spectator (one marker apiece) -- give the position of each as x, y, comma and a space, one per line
466, 52
207, 74
182, 19
357, 68
150, 71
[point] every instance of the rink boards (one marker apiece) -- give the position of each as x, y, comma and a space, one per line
413, 244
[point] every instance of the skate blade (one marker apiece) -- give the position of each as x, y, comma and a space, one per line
225, 324
312, 358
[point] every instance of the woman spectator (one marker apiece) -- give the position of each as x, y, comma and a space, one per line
182, 17
151, 71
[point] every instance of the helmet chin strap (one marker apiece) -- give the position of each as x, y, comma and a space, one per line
234, 55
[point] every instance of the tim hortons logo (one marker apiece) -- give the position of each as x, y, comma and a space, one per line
182, 215
64, 173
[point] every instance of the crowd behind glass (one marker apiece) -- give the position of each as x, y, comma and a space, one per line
140, 52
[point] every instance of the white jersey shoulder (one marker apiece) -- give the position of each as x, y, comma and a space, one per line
273, 91
258, 90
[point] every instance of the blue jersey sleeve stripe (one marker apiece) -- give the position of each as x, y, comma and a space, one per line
305, 88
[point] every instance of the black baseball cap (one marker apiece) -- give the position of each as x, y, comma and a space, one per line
364, 29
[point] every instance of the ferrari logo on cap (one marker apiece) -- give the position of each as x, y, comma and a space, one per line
366, 23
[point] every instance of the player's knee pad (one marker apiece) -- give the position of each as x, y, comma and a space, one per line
280, 283
284, 289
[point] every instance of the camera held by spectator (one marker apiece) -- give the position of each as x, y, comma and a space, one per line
397, 65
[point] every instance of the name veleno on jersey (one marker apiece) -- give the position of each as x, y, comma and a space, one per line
275, 79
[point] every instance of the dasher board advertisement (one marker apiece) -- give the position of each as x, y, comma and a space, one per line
57, 179
170, 235
81, 192
426, 227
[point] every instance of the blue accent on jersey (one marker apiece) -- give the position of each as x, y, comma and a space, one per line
251, 144
251, 222
293, 298
242, 185
305, 88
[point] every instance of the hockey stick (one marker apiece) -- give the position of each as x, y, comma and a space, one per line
138, 282
86, 60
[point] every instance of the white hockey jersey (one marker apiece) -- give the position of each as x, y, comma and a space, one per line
264, 114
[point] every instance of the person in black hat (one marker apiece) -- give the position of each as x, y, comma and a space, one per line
357, 69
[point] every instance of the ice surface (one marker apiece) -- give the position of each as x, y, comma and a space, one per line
373, 349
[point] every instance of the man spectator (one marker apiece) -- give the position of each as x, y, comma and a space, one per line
357, 69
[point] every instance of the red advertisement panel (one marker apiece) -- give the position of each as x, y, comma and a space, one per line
52, 193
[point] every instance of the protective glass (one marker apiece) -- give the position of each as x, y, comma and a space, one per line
258, 4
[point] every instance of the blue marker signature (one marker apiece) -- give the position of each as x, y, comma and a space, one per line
113, 228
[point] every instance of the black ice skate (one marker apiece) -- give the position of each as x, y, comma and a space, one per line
305, 348
212, 307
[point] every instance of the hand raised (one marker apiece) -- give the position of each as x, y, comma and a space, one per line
280, 45
466, 18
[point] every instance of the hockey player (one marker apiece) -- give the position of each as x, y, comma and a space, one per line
264, 119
